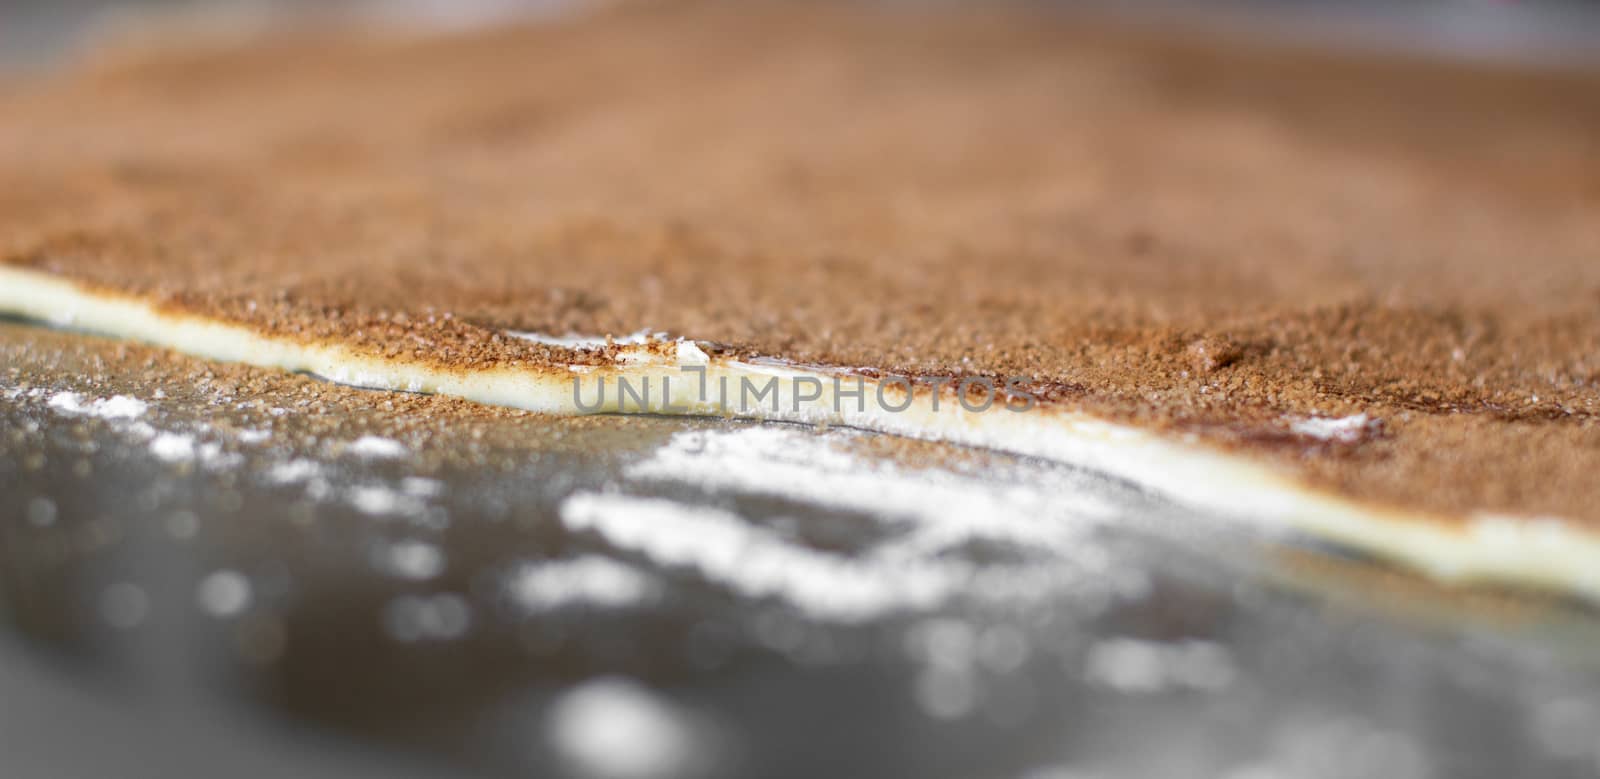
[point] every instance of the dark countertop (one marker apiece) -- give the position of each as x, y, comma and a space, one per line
231, 577
212, 587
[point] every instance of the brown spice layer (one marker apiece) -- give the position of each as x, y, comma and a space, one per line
306, 417
1184, 235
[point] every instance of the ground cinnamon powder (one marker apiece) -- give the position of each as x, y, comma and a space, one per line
1203, 238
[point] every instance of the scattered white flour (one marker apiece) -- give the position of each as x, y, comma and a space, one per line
615, 728
126, 412
213, 457
67, 402
1135, 666
944, 509
590, 580
758, 563
378, 447
173, 447
293, 471
924, 516
114, 407
409, 559
382, 500
318, 488
141, 431
1348, 429
119, 407
179, 447
254, 436
419, 487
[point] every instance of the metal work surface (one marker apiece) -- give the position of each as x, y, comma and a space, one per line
217, 571
208, 566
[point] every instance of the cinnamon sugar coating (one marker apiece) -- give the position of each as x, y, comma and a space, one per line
1193, 236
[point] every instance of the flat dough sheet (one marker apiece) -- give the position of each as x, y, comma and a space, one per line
1354, 297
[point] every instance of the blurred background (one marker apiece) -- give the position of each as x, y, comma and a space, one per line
1548, 31
286, 600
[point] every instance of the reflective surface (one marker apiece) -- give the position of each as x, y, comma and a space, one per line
266, 572
228, 572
